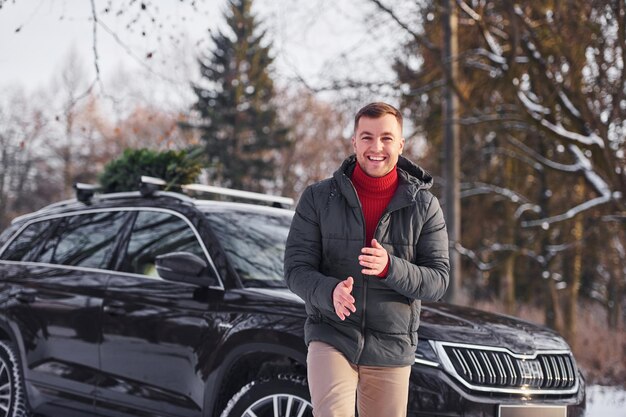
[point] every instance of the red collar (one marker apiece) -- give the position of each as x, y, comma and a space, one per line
379, 187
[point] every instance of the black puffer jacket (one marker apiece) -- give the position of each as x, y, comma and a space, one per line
325, 240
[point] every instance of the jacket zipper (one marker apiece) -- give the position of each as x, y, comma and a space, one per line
361, 343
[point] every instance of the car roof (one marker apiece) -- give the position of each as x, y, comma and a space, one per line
164, 199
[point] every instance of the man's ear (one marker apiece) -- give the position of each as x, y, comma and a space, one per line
401, 145
353, 140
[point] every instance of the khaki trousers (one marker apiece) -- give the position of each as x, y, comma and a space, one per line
336, 385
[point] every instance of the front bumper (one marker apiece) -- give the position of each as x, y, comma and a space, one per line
432, 392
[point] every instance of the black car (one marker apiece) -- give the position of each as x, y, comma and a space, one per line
159, 304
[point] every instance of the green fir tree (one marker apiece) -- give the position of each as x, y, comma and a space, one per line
240, 126
174, 167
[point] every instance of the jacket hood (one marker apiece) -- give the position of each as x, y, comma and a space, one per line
408, 171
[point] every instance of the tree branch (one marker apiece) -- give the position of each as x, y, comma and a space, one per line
418, 38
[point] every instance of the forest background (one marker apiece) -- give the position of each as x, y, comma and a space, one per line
541, 91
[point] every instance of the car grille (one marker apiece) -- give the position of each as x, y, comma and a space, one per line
503, 371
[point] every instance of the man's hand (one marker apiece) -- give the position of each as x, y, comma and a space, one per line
343, 301
374, 260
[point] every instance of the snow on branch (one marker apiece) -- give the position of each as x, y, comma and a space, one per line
496, 247
542, 159
475, 258
568, 104
570, 136
594, 179
532, 107
520, 157
467, 9
527, 207
498, 59
584, 165
482, 265
496, 49
569, 214
477, 188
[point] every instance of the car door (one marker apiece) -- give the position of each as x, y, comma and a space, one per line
57, 291
157, 334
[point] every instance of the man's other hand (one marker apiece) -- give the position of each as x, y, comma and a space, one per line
373, 260
343, 301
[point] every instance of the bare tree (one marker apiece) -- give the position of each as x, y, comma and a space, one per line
318, 138
24, 182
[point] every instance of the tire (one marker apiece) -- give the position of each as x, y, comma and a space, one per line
282, 395
12, 394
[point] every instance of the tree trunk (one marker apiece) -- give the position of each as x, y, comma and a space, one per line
507, 290
554, 314
507, 282
551, 302
616, 283
4, 166
574, 286
452, 156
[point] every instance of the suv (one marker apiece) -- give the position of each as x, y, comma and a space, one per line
154, 303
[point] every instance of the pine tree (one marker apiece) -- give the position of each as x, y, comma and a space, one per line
240, 126
174, 167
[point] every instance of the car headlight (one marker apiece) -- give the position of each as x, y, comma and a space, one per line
425, 354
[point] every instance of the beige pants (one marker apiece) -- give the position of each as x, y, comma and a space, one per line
336, 385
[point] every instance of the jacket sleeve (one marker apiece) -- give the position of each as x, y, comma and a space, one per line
303, 255
428, 277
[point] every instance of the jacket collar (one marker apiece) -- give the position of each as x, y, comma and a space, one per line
411, 178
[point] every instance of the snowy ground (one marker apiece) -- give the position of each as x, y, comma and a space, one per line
606, 401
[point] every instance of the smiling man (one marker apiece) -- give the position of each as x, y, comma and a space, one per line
365, 247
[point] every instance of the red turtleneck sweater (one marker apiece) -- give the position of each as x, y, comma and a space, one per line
375, 194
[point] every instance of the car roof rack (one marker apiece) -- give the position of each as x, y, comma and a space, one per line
149, 185
277, 201
152, 186
85, 192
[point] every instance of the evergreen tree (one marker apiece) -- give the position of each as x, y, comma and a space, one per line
240, 126
174, 167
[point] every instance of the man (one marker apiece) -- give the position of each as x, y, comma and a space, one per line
365, 246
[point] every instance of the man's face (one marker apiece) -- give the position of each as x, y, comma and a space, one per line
377, 144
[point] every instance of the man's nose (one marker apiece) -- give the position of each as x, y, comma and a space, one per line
378, 145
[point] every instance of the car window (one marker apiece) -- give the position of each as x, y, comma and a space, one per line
23, 246
155, 233
8, 233
86, 240
254, 243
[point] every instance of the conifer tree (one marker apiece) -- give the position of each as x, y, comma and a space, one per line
240, 126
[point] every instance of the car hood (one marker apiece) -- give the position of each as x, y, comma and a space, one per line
451, 323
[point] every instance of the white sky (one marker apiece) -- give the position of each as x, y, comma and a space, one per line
310, 38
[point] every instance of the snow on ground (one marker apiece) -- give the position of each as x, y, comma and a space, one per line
603, 401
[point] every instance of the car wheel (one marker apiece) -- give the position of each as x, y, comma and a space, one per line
12, 394
283, 395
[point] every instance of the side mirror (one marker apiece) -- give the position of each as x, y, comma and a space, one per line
184, 267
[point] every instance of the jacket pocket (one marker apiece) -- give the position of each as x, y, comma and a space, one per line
387, 312
412, 330
314, 314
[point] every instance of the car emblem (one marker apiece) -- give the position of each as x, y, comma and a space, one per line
530, 371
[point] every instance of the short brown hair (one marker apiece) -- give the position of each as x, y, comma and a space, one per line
376, 110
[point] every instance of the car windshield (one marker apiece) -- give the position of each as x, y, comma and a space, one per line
255, 244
